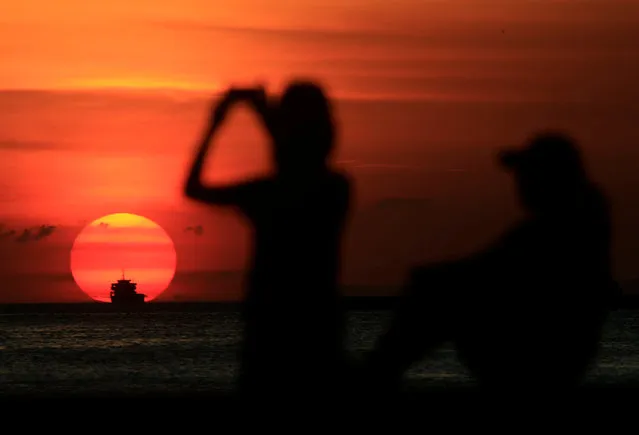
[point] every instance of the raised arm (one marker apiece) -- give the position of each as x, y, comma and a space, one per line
234, 194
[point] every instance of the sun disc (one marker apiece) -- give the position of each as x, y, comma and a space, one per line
123, 243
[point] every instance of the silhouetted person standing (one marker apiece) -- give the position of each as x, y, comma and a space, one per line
528, 311
293, 319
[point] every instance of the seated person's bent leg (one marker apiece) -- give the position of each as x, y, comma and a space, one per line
422, 322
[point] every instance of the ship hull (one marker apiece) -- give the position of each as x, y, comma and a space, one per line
137, 300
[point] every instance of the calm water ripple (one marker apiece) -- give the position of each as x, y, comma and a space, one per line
197, 352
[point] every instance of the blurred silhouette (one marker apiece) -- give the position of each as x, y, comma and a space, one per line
292, 310
528, 311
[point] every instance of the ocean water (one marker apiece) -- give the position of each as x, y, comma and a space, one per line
196, 352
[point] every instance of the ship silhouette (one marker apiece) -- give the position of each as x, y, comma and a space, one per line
124, 293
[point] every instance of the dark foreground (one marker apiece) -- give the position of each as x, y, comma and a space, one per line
421, 407
100, 359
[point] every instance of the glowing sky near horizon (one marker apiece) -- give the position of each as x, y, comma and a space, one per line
102, 104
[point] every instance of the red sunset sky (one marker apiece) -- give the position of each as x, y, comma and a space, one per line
101, 103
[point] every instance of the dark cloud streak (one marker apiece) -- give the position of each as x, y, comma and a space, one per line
198, 230
28, 234
480, 35
13, 144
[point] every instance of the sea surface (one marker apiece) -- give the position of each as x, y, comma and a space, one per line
196, 352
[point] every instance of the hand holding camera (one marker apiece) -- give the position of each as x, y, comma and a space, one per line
255, 97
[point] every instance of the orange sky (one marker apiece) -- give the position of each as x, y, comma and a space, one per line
363, 47
101, 105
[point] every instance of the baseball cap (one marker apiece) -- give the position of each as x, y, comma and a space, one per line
546, 151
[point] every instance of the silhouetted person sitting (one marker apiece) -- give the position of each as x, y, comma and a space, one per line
529, 310
293, 319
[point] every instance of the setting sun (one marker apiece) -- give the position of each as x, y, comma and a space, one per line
123, 243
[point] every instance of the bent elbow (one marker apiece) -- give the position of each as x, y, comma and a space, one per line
191, 189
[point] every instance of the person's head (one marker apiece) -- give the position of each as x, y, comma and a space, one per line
306, 128
548, 171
